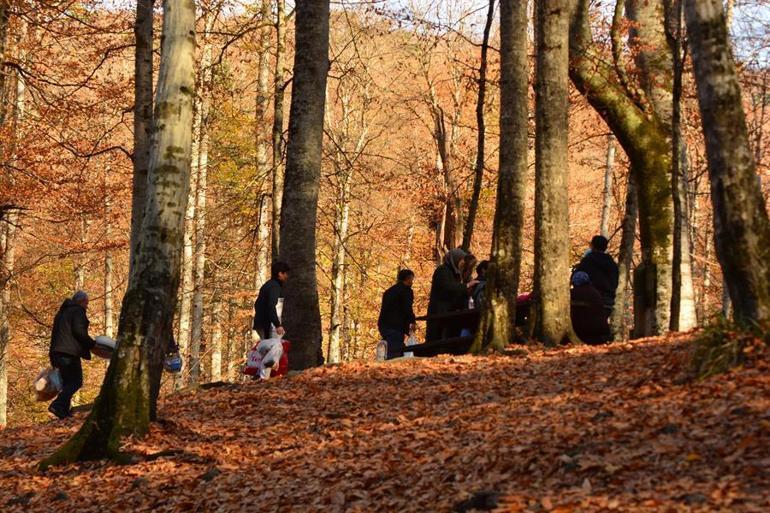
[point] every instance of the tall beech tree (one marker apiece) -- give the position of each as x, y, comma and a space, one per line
143, 80
126, 404
741, 225
643, 137
498, 318
552, 293
301, 314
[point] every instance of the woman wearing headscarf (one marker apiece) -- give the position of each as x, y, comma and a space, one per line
448, 293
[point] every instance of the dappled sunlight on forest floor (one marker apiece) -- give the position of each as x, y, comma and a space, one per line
618, 428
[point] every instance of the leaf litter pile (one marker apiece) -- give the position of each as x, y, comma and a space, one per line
617, 428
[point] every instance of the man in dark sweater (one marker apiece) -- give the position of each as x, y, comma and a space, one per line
396, 315
602, 270
266, 315
69, 343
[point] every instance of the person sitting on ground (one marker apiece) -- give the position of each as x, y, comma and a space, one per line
589, 318
448, 293
70, 343
269, 303
397, 318
481, 277
602, 270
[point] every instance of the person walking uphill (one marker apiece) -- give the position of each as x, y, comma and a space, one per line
448, 293
602, 270
397, 314
269, 304
70, 343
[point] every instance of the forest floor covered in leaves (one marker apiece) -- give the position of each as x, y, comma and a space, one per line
616, 428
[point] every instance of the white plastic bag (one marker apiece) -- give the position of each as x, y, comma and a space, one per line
48, 384
264, 357
381, 353
410, 341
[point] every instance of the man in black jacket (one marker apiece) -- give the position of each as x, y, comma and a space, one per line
396, 315
69, 343
266, 315
602, 270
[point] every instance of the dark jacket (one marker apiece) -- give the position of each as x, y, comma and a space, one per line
603, 271
70, 331
264, 307
447, 294
589, 317
396, 312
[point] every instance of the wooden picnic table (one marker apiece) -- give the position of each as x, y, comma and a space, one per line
452, 323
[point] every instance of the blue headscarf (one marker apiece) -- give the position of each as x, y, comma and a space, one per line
581, 278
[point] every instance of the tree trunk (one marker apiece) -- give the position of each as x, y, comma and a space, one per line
279, 86
341, 224
646, 143
263, 236
199, 274
216, 338
741, 225
552, 319
302, 318
478, 177
498, 317
125, 404
618, 321
188, 255
604, 226
7, 257
143, 80
262, 143
108, 270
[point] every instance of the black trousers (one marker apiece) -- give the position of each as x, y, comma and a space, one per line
72, 379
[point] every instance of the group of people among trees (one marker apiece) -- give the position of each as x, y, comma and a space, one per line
453, 288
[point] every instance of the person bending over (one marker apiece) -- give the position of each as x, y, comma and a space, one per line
269, 304
397, 314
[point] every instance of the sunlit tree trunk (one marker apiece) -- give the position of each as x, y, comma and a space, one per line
10, 220
216, 338
609, 164
262, 142
187, 287
108, 269
741, 225
279, 86
618, 321
199, 273
263, 237
302, 318
125, 404
143, 81
478, 177
341, 225
499, 314
7, 257
552, 318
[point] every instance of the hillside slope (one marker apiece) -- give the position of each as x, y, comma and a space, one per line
616, 428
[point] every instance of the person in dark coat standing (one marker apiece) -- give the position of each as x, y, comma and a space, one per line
397, 314
266, 315
589, 317
448, 293
602, 270
70, 343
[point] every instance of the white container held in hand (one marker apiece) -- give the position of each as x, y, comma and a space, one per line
381, 353
104, 347
410, 341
